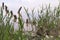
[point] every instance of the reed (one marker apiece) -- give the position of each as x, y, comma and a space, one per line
47, 24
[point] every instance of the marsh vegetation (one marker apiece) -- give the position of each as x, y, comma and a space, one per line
46, 27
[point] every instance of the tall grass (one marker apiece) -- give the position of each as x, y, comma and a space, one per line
48, 24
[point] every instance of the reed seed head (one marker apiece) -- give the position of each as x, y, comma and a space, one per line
3, 5
19, 9
5, 8
11, 13
15, 18
26, 20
